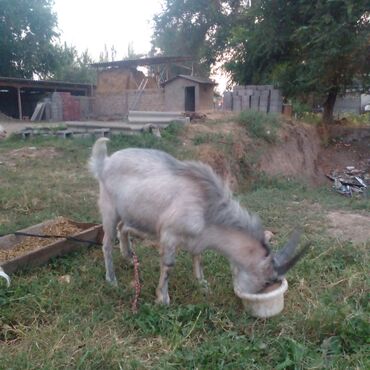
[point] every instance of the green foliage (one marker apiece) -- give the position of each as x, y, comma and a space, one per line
300, 108
73, 67
194, 28
28, 44
260, 125
27, 29
305, 46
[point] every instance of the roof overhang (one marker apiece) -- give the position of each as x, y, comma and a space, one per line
133, 63
44, 85
199, 80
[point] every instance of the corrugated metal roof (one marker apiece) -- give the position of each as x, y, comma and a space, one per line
23, 82
199, 80
143, 62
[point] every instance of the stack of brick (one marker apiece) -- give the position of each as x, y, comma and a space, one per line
260, 98
56, 107
71, 107
65, 107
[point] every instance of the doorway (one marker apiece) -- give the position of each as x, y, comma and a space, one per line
190, 99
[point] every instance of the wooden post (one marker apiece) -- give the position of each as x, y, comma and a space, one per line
19, 102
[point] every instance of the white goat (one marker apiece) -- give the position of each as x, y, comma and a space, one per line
183, 204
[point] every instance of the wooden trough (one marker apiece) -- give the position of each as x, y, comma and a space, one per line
55, 247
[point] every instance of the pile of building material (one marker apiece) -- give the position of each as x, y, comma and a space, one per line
67, 133
62, 106
259, 98
350, 181
162, 118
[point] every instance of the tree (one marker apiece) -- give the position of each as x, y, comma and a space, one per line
73, 67
196, 28
106, 56
27, 34
320, 47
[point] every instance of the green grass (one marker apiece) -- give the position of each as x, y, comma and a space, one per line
260, 125
86, 324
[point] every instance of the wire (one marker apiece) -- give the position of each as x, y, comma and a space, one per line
71, 238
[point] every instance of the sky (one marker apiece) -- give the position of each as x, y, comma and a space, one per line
88, 24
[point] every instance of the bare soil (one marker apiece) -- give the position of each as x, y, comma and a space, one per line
298, 153
349, 226
10, 158
295, 155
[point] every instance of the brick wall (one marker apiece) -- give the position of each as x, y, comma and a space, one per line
118, 105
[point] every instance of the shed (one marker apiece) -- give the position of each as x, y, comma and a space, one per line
122, 87
188, 93
19, 96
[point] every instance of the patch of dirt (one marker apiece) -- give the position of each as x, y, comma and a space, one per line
350, 146
298, 152
295, 154
349, 226
219, 162
224, 151
10, 159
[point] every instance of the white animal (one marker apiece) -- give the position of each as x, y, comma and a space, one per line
2, 132
183, 204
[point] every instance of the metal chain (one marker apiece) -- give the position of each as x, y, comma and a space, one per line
135, 301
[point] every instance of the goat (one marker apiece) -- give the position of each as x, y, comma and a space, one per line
2, 132
183, 204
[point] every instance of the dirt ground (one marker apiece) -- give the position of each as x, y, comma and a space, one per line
27, 152
299, 153
349, 226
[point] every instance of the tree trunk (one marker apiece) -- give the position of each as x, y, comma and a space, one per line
327, 115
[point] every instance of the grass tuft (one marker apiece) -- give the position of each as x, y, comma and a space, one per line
260, 125
46, 323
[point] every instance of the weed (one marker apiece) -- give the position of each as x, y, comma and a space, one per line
87, 324
260, 125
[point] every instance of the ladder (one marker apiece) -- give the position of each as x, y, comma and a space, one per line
139, 92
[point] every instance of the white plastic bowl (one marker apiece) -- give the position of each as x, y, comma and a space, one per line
264, 304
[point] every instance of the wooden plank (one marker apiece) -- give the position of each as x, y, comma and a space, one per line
19, 103
42, 255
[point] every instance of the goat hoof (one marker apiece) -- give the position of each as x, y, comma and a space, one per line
204, 286
112, 282
163, 300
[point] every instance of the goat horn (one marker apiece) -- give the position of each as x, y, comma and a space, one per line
283, 268
285, 254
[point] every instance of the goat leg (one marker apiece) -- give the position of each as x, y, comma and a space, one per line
125, 243
168, 256
198, 273
107, 251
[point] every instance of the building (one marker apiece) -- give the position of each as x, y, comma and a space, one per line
19, 96
122, 87
188, 93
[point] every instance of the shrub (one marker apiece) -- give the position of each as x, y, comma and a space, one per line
260, 125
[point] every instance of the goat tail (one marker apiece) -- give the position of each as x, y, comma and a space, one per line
98, 155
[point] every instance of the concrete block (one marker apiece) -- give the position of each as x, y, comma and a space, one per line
65, 134
237, 104
264, 101
101, 132
246, 102
255, 102
26, 134
228, 100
